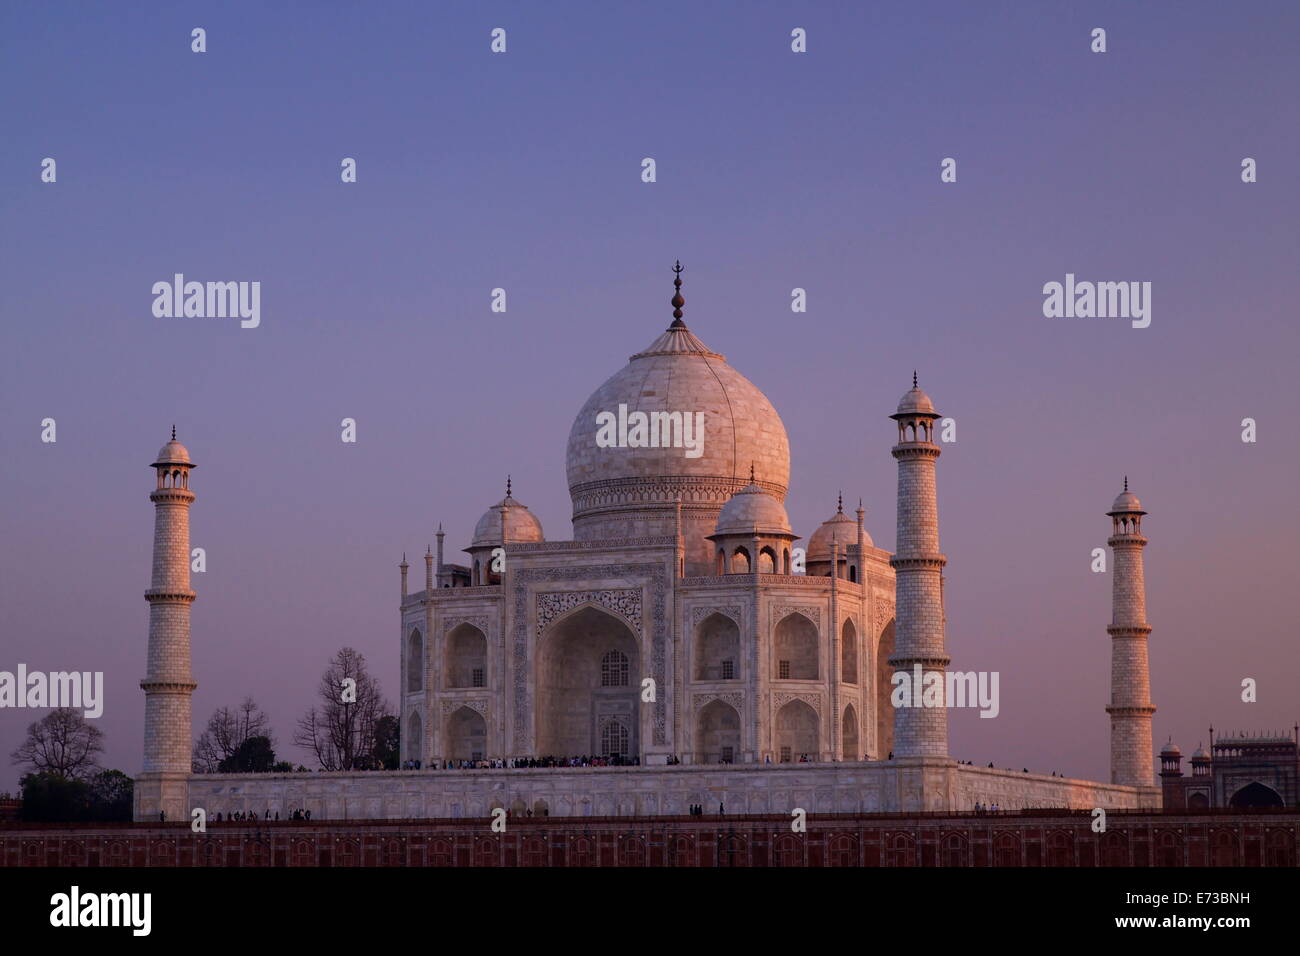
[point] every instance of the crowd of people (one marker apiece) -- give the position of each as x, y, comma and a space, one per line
250, 816
529, 763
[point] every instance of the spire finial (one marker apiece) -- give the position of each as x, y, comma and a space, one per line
751, 472
173, 433
839, 507
914, 378
678, 301
1126, 482
507, 486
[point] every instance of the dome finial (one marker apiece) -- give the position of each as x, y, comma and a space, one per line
839, 507
1126, 482
678, 301
173, 433
914, 378
507, 486
751, 472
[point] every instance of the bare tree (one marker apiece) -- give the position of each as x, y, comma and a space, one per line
63, 743
341, 731
226, 732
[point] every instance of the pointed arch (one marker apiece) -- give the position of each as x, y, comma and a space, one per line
717, 648
415, 661
849, 652
465, 663
849, 734
1255, 794
588, 667
466, 735
798, 732
717, 733
796, 648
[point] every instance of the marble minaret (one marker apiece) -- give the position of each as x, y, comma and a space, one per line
168, 684
1131, 759
918, 566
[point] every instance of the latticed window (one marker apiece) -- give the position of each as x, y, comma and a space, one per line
783, 670
728, 755
613, 670
613, 738
478, 677
728, 670
785, 755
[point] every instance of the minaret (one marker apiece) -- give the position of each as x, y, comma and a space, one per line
168, 684
862, 549
918, 571
1131, 759
439, 563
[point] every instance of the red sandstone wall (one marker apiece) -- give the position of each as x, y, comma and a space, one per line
1215, 838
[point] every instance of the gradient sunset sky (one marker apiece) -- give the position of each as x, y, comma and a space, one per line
775, 170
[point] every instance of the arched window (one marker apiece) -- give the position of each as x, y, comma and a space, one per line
613, 735
717, 648
613, 670
466, 657
415, 662
796, 648
849, 653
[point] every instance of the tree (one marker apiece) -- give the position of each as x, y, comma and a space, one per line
111, 796
228, 729
53, 798
340, 733
254, 755
388, 742
61, 743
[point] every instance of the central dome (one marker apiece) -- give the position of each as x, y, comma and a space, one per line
629, 487
677, 373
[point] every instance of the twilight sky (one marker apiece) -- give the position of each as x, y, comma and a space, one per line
775, 170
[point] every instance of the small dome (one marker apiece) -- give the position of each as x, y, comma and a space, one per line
522, 527
174, 453
915, 402
1171, 750
752, 507
1127, 501
840, 527
1200, 753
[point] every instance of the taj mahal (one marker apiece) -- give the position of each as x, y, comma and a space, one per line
680, 634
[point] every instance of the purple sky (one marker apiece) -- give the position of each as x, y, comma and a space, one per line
775, 170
